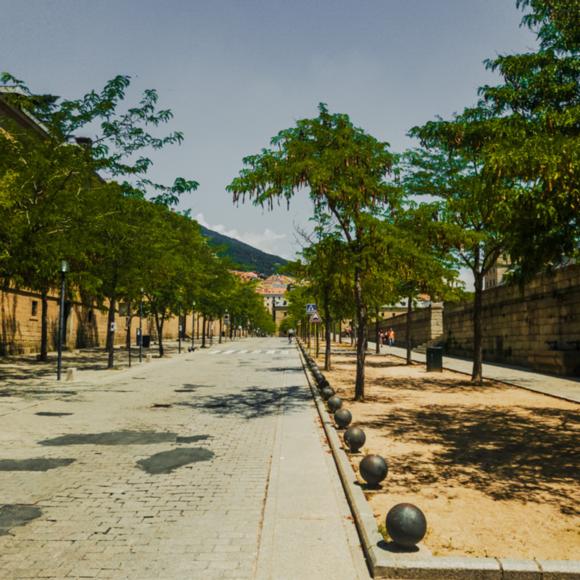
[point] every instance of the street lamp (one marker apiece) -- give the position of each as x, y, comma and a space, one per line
63, 271
141, 326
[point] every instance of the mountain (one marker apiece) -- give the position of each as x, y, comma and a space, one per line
244, 256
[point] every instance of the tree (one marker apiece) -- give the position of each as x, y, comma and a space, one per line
422, 261
112, 231
535, 128
49, 175
43, 186
174, 257
451, 167
328, 270
344, 170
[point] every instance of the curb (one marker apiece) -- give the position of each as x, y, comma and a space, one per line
420, 565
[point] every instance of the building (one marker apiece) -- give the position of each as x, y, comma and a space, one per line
273, 290
246, 276
495, 274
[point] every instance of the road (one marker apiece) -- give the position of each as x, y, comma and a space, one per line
207, 465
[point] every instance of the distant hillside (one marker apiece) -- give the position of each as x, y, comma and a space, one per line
245, 257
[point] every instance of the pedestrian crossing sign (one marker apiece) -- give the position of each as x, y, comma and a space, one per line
311, 309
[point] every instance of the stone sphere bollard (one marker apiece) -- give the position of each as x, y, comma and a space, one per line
323, 382
327, 392
354, 438
342, 418
334, 403
373, 469
406, 525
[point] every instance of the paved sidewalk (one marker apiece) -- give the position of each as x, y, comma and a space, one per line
562, 388
207, 465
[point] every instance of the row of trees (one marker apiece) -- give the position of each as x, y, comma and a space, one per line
90, 202
501, 180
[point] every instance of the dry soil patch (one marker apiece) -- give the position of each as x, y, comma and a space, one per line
494, 468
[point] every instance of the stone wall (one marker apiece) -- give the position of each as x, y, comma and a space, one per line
536, 327
426, 326
86, 325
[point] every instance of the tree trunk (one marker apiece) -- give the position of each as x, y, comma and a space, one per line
377, 337
203, 332
327, 330
476, 374
408, 329
111, 332
128, 337
220, 330
43, 355
361, 316
159, 322
317, 326
340, 332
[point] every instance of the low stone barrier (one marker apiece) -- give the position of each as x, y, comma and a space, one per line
420, 565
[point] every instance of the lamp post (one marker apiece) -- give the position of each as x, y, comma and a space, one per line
63, 271
141, 326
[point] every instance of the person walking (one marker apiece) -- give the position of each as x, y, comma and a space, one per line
390, 337
290, 335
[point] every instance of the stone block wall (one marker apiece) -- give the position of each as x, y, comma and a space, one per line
426, 326
86, 325
536, 327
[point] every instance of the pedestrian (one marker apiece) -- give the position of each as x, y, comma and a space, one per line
390, 337
290, 335
381, 337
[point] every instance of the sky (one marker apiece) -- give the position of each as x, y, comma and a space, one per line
235, 72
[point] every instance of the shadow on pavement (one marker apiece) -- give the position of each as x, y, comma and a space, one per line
526, 456
168, 461
117, 438
14, 515
253, 402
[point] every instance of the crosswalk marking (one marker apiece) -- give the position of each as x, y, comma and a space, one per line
244, 351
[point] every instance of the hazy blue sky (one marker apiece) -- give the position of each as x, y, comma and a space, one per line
236, 72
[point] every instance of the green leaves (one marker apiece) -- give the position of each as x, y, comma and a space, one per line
534, 138
118, 149
342, 168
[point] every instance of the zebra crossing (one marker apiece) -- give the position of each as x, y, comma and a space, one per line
238, 351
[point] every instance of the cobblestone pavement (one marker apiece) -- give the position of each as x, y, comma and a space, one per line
170, 471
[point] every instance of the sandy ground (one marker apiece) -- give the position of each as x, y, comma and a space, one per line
494, 468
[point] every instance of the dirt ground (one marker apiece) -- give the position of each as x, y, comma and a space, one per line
494, 468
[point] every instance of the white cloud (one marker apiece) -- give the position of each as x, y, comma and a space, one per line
267, 241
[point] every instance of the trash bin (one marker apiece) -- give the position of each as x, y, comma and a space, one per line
146, 340
434, 359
